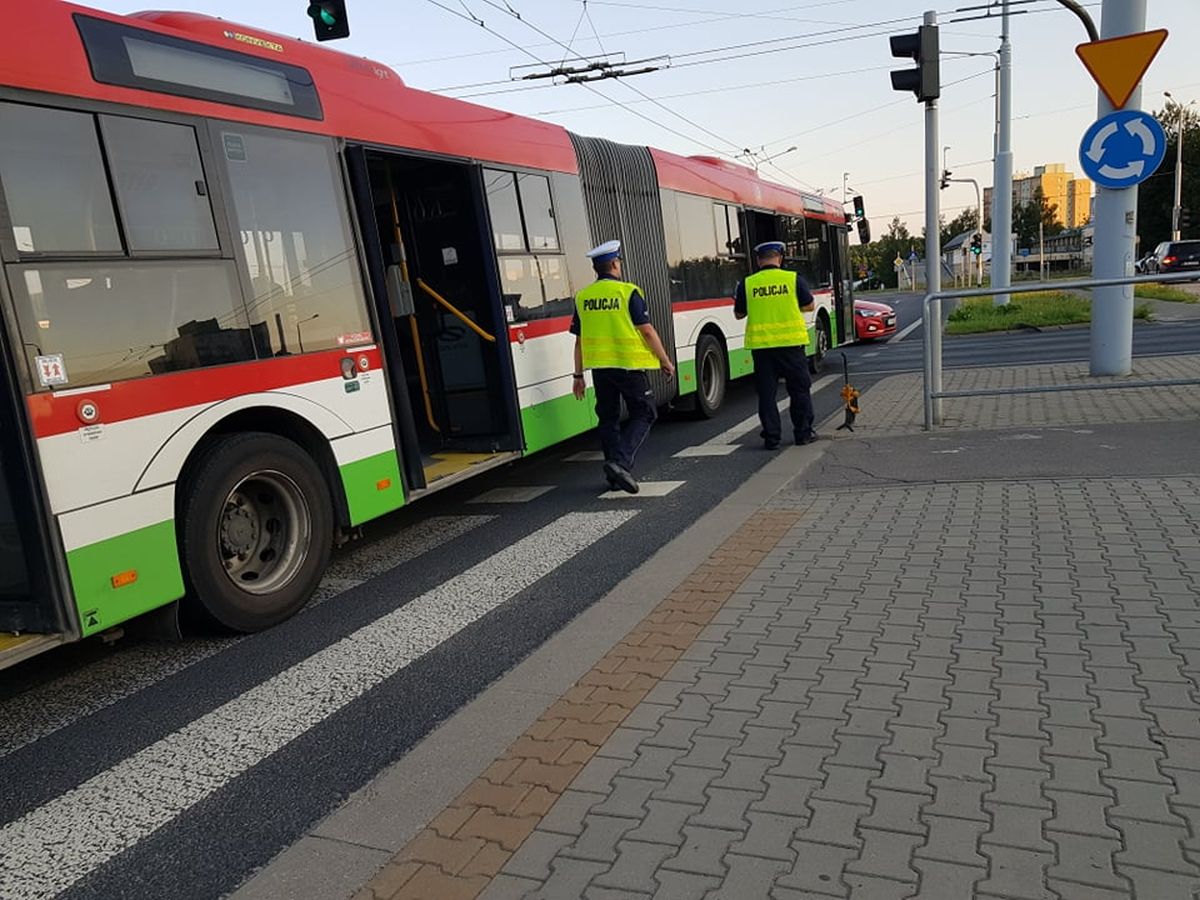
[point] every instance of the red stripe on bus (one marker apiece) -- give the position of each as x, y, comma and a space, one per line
127, 400
538, 328
693, 305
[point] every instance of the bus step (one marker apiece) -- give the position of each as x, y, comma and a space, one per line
15, 648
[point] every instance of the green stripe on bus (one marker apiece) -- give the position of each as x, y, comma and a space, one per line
146, 559
558, 419
686, 370
373, 486
741, 362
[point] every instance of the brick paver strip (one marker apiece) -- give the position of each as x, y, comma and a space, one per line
467, 845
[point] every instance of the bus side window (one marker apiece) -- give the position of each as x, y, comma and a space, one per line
534, 280
54, 182
160, 185
297, 246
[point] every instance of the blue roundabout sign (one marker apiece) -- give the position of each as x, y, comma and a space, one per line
1123, 149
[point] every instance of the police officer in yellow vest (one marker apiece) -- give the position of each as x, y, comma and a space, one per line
773, 301
614, 338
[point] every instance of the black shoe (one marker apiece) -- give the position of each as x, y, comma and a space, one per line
809, 438
770, 445
621, 476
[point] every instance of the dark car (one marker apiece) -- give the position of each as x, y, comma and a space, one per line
1176, 256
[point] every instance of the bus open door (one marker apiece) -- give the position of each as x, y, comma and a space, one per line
32, 615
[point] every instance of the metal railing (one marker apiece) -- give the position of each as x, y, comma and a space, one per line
931, 320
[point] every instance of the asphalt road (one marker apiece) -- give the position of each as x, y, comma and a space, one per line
176, 770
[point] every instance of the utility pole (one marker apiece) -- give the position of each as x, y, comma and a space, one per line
1002, 198
1111, 351
1177, 208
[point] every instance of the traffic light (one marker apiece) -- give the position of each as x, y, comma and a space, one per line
945, 183
329, 19
977, 243
860, 209
864, 231
1185, 218
925, 80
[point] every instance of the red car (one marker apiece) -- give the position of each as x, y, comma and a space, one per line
873, 320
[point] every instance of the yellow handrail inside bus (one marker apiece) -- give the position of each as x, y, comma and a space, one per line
412, 320
458, 314
416, 337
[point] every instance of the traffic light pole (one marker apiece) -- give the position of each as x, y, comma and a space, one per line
933, 252
1116, 227
1002, 193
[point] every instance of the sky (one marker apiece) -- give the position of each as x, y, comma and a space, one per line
814, 77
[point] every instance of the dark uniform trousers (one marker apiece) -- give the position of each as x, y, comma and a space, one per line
790, 364
621, 441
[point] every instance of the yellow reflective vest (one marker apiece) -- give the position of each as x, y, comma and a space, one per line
607, 335
773, 316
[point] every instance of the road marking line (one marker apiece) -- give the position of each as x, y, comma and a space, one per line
908, 329
586, 456
748, 424
52, 847
647, 489
45, 709
707, 450
869, 355
513, 494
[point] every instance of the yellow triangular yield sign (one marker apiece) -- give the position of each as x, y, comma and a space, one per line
1119, 63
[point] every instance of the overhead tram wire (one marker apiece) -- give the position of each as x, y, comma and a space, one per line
477, 21
723, 17
822, 41
636, 90
822, 35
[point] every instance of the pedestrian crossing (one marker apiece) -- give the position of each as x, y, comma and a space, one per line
41, 711
52, 847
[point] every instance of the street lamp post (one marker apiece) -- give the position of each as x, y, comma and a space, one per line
1177, 208
299, 339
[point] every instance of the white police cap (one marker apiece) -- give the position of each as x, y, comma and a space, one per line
606, 251
769, 247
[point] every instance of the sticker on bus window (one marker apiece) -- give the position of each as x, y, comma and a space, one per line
235, 147
51, 369
449, 256
23, 235
358, 337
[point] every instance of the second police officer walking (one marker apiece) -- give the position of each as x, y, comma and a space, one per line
773, 301
614, 338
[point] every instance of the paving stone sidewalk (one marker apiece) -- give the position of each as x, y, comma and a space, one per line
895, 406
937, 691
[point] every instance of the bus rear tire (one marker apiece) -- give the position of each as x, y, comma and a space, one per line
256, 530
712, 376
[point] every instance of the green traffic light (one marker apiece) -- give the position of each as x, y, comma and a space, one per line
327, 17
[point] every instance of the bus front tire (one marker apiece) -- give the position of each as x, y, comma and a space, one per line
821, 347
256, 530
712, 376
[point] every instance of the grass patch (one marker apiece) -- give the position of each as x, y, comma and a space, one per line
1164, 292
1043, 309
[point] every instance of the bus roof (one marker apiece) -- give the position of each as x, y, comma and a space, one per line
361, 100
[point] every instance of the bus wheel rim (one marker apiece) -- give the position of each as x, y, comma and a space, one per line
709, 380
264, 532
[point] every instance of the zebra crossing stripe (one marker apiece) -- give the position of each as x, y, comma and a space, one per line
43, 710
54, 846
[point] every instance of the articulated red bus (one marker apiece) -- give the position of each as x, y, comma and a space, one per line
257, 292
